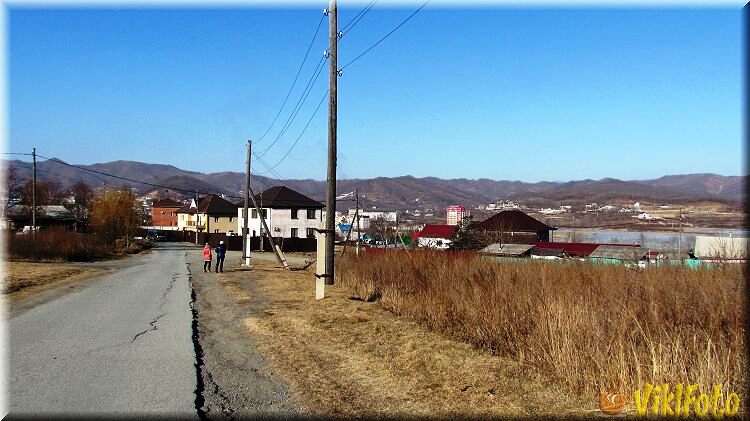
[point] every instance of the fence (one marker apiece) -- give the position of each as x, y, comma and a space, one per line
234, 242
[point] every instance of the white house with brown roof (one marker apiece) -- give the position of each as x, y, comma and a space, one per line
289, 214
211, 214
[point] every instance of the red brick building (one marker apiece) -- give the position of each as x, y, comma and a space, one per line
164, 214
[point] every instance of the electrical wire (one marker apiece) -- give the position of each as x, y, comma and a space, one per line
300, 135
296, 77
352, 23
299, 104
384, 37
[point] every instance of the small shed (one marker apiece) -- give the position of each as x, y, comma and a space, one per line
617, 254
508, 250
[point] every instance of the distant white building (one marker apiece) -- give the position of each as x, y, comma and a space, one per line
707, 247
456, 214
288, 214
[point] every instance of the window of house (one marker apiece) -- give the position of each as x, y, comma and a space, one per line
216, 219
294, 233
294, 213
254, 234
311, 233
216, 231
231, 218
254, 214
311, 214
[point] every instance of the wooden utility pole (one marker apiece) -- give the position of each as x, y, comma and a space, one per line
33, 191
245, 230
332, 113
356, 214
277, 250
679, 238
262, 245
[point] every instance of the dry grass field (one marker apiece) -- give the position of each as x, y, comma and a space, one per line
588, 327
344, 357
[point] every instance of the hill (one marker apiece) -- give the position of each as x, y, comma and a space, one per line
405, 192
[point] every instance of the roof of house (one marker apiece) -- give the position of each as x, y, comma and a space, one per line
437, 231
47, 212
282, 197
166, 203
507, 249
620, 252
513, 220
214, 204
547, 251
571, 249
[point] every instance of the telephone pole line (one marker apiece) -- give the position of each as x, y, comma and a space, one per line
356, 214
332, 113
33, 192
245, 230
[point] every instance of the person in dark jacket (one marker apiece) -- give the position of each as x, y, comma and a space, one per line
221, 251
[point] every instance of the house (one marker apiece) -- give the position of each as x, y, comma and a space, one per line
164, 214
514, 226
508, 250
618, 254
721, 248
211, 214
435, 236
50, 216
288, 214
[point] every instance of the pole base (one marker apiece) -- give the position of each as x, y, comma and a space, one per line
320, 288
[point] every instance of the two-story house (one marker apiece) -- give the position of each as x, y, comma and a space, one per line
289, 214
211, 214
164, 214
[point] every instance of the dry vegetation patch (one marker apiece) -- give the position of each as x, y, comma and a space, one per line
346, 357
590, 327
23, 278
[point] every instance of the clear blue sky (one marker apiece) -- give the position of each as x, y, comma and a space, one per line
503, 93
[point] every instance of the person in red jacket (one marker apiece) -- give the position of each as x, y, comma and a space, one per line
207, 258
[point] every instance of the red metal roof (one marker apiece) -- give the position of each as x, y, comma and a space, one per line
577, 249
437, 231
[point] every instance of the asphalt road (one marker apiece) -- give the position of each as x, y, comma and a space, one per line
121, 345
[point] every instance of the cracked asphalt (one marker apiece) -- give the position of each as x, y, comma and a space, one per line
120, 346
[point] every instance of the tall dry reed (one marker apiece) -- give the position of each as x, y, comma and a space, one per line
590, 327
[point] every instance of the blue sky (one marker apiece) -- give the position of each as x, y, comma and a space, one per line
502, 93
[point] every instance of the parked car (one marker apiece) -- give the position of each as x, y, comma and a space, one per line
161, 237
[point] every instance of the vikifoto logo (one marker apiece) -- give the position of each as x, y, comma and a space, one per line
661, 400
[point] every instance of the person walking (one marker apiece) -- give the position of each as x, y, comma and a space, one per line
207, 257
221, 251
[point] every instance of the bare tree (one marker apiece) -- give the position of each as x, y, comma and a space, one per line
83, 199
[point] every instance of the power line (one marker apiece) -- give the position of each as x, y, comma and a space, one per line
300, 135
15, 153
352, 23
386, 36
296, 77
129, 179
299, 104
268, 167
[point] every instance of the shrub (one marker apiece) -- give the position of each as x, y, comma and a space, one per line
56, 244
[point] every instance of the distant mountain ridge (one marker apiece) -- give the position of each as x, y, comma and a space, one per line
404, 192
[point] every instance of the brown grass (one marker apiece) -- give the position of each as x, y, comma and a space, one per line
589, 327
56, 244
348, 358
33, 276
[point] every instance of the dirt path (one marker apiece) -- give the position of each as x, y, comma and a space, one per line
342, 357
237, 382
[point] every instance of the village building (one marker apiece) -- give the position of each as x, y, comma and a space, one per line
288, 214
514, 226
164, 214
435, 236
212, 214
17, 217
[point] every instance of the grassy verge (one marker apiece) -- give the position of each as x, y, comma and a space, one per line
591, 328
62, 245
25, 277
348, 358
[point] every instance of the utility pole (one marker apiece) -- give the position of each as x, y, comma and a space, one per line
679, 238
332, 113
262, 244
33, 192
245, 230
279, 255
356, 215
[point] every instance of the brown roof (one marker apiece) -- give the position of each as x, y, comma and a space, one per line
515, 221
216, 205
167, 203
282, 197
